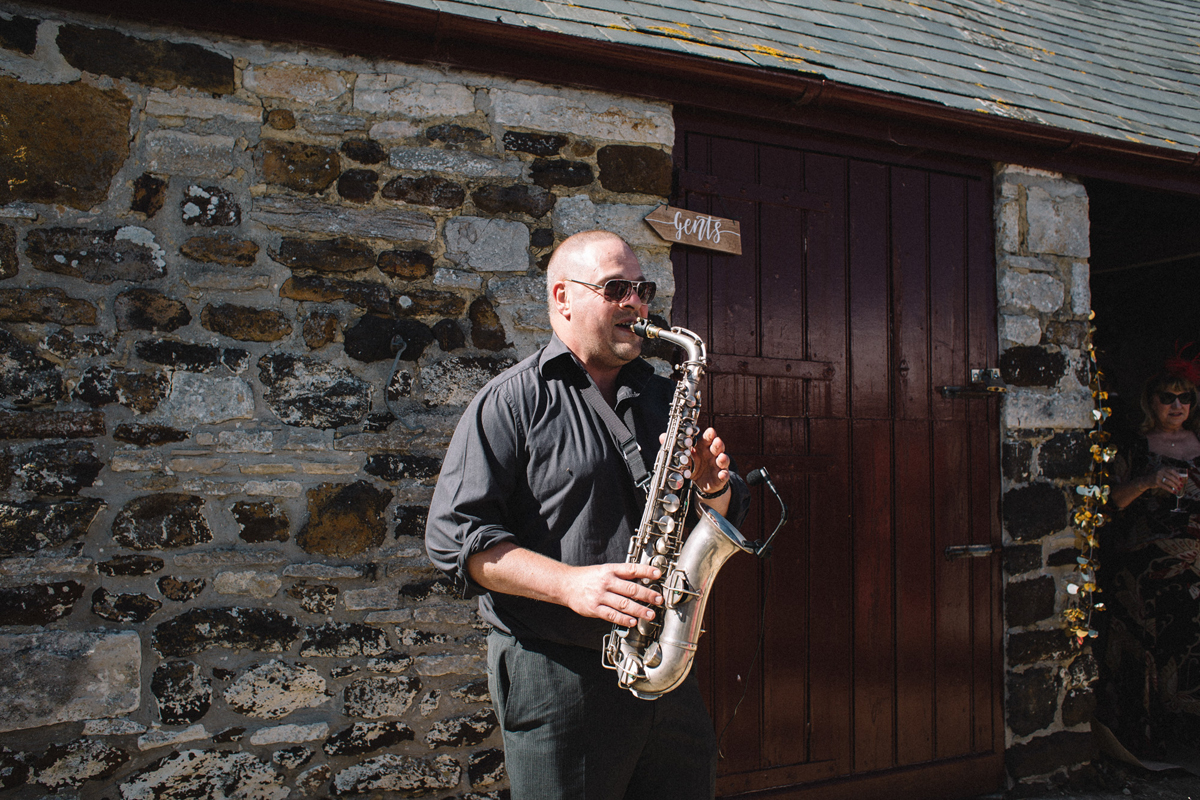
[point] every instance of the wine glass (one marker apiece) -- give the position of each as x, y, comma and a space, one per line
1179, 495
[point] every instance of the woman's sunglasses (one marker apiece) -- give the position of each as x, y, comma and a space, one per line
618, 290
1168, 398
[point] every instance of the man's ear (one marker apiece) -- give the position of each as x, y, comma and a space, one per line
561, 299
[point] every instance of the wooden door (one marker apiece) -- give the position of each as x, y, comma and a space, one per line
857, 661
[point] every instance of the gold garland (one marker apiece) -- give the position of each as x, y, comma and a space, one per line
1081, 586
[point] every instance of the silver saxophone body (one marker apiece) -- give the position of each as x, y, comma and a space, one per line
654, 656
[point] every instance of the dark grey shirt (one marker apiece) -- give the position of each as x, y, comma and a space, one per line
533, 463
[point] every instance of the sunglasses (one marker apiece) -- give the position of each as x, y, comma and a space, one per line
1168, 398
618, 290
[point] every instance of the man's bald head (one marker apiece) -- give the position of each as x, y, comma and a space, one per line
574, 255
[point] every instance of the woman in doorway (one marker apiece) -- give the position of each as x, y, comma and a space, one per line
1150, 696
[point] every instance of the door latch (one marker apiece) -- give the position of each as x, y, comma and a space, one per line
970, 551
984, 383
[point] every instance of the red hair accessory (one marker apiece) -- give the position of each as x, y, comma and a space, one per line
1180, 366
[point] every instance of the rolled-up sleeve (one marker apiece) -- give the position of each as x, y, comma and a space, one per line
471, 507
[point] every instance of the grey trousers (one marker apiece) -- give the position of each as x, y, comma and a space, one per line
570, 733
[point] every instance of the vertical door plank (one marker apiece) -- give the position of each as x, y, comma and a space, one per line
874, 595
831, 590
952, 524
910, 278
786, 646
870, 362
825, 314
985, 477
915, 646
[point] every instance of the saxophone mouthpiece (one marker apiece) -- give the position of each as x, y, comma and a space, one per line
642, 328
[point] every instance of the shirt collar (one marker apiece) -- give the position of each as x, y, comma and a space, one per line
632, 378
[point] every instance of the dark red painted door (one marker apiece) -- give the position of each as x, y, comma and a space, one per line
865, 284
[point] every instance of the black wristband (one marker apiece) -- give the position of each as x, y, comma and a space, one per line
714, 495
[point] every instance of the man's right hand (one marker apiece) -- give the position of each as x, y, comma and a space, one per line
612, 592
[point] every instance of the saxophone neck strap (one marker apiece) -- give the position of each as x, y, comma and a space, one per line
623, 436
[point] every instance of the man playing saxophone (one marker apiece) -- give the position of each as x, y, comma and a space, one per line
533, 513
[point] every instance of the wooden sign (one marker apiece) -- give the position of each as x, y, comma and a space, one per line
700, 230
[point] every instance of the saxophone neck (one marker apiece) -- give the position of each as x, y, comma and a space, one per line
681, 337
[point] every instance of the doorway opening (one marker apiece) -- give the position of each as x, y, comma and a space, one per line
1145, 281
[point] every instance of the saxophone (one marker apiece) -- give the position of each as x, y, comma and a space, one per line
654, 656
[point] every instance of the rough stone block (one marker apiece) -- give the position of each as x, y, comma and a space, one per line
1032, 366
162, 104
189, 774
62, 143
1029, 602
97, 256
343, 640
1031, 699
45, 305
206, 400
411, 97
1031, 292
161, 64
252, 584
19, 34
1066, 455
168, 152
70, 765
199, 629
427, 190
209, 207
380, 696
68, 676
36, 525
302, 84
454, 381
131, 609
38, 603
589, 114
8, 252
221, 248
149, 310
1057, 220
538, 144
367, 737
487, 245
312, 394
161, 521
1033, 511
183, 693
244, 323
304, 167
455, 162
580, 213
308, 215
1065, 407
275, 689
395, 773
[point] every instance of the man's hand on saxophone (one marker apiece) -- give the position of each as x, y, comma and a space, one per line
710, 472
611, 592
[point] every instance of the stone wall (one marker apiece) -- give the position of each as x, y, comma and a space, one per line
245, 292
1044, 302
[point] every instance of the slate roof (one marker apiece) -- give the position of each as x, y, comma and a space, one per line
1124, 69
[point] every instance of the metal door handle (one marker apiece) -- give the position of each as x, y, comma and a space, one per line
970, 551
